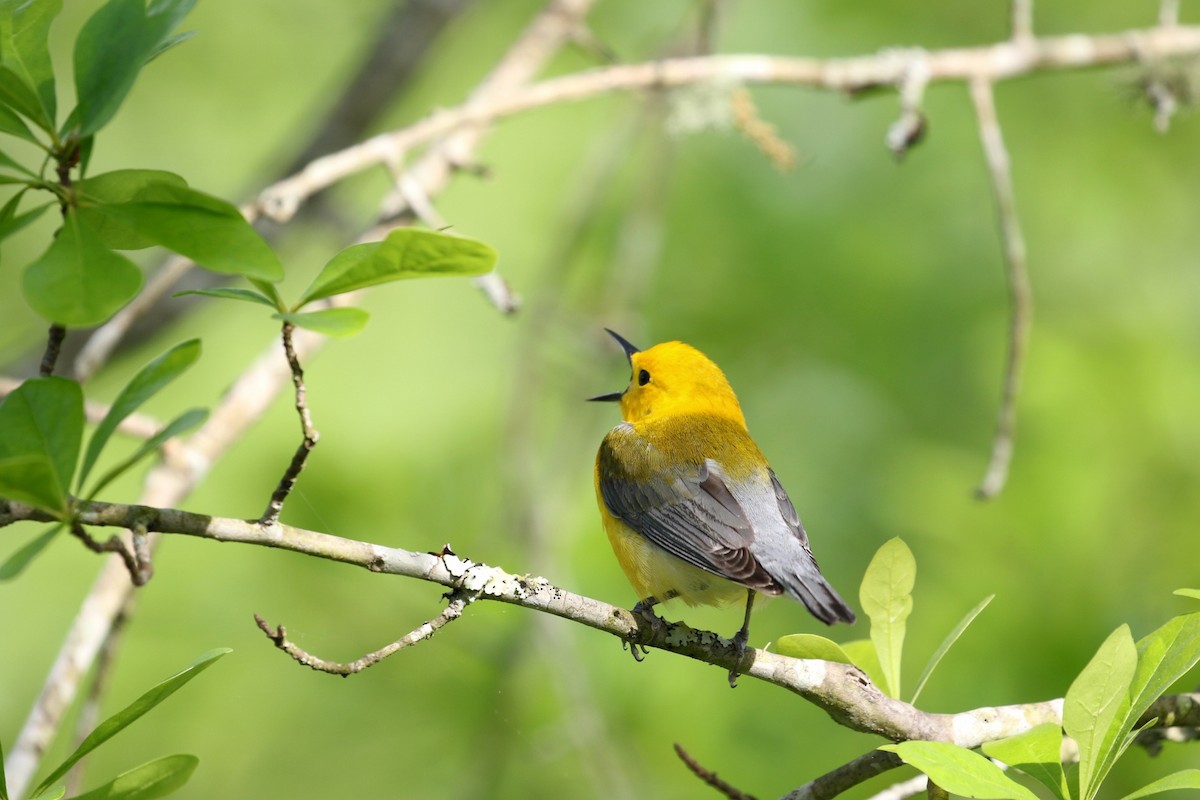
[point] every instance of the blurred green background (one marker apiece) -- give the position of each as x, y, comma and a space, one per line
858, 306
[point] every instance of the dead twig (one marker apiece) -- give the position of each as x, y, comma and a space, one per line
709, 777
459, 600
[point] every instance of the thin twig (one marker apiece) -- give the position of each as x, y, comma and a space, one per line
709, 777
759, 131
1022, 20
458, 598
1020, 292
847, 776
113, 544
310, 435
53, 347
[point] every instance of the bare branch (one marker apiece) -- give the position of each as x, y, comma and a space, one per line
1000, 61
1020, 293
459, 600
841, 690
709, 777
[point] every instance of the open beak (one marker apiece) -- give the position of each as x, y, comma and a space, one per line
630, 349
625, 345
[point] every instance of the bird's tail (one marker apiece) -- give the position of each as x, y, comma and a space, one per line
805, 583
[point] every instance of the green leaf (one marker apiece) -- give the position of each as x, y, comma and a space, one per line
16, 166
1036, 752
207, 230
227, 293
119, 186
12, 124
886, 597
1192, 593
24, 53
1096, 705
339, 322
41, 425
269, 290
184, 422
57, 793
1184, 779
862, 655
807, 645
947, 643
403, 253
24, 556
113, 46
20, 98
3, 783
1164, 656
157, 778
960, 771
78, 281
11, 221
149, 380
131, 713
31, 479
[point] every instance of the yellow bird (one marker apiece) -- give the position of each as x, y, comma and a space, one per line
690, 505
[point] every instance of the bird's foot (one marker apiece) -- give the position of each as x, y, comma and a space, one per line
739, 642
643, 612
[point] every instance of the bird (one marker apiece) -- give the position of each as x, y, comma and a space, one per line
691, 507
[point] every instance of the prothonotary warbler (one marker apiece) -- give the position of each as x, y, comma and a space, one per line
690, 505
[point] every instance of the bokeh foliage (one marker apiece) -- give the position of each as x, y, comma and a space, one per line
857, 305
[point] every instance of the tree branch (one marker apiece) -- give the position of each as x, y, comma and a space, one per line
996, 62
841, 690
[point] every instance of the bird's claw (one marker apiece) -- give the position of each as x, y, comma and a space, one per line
739, 643
636, 641
638, 651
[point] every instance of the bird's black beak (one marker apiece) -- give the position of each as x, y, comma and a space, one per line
630, 349
625, 345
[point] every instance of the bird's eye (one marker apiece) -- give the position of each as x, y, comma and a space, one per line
643, 378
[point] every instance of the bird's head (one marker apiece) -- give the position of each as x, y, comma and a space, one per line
672, 378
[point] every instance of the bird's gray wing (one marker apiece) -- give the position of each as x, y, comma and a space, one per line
688, 511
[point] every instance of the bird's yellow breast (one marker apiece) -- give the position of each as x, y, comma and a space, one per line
655, 573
